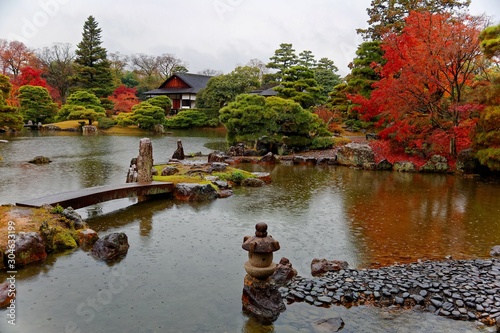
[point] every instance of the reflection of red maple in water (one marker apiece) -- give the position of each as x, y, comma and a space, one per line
406, 217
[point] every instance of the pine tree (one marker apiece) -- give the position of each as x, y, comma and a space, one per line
93, 70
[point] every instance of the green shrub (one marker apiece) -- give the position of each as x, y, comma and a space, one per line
324, 142
57, 209
356, 124
237, 177
297, 141
186, 119
105, 123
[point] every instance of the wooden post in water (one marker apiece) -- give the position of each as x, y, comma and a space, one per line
145, 161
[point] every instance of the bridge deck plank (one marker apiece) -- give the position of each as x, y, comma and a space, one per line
93, 195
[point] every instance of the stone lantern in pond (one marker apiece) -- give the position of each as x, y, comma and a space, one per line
260, 249
261, 298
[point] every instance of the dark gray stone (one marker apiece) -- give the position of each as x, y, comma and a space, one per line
111, 247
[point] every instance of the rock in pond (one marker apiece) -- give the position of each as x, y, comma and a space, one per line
261, 300
495, 251
29, 247
195, 192
322, 266
87, 238
111, 247
40, 160
253, 182
284, 272
269, 158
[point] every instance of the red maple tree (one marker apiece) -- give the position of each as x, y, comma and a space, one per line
420, 98
124, 98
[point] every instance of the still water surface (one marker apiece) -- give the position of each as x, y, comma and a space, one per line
184, 269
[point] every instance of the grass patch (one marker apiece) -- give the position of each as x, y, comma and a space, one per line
67, 124
188, 174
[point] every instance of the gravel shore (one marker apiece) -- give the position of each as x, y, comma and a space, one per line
458, 289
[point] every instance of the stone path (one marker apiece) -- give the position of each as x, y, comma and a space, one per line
459, 289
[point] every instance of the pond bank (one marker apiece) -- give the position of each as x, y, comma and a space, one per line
457, 289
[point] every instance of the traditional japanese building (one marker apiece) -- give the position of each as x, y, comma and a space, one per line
181, 88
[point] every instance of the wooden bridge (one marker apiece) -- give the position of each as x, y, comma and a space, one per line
93, 195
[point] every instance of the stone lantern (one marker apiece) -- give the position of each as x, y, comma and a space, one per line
260, 249
261, 298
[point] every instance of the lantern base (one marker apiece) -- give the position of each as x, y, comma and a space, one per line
261, 273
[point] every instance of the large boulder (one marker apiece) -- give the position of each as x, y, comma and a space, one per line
261, 300
466, 161
322, 266
356, 155
195, 192
269, 158
29, 248
111, 247
436, 163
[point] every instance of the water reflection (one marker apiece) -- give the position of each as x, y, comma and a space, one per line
185, 260
404, 217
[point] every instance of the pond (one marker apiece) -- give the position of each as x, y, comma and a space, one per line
184, 269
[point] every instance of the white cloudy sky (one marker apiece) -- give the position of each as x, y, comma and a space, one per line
215, 34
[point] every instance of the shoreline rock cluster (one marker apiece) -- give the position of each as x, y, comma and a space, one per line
457, 289
356, 155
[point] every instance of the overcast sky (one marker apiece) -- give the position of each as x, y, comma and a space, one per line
215, 34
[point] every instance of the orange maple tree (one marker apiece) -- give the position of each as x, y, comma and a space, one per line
420, 98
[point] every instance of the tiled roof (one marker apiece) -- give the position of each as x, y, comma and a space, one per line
195, 82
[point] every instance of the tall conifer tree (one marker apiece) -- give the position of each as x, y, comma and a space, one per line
92, 66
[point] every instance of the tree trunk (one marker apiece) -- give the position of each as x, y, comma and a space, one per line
453, 146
